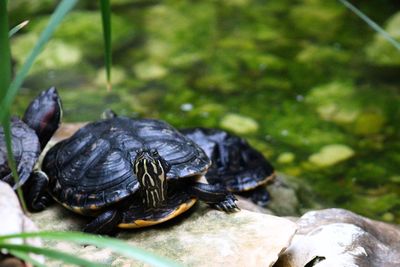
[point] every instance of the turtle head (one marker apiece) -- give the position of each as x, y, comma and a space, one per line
44, 115
151, 171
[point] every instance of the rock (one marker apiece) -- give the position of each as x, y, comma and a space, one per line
239, 124
200, 237
284, 201
331, 154
13, 220
337, 237
246, 204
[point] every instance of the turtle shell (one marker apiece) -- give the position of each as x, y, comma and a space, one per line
93, 168
26, 150
235, 164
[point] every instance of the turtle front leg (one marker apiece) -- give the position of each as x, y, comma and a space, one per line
105, 224
215, 196
35, 191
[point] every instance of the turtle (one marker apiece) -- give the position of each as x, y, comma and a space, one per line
29, 137
130, 173
235, 164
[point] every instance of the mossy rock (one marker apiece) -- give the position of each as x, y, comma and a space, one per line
331, 154
57, 54
380, 51
239, 124
335, 102
83, 29
318, 19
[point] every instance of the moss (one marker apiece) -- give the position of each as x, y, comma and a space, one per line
369, 206
380, 51
335, 102
239, 124
369, 122
331, 154
56, 55
314, 19
83, 29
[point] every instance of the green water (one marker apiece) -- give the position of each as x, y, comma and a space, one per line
306, 82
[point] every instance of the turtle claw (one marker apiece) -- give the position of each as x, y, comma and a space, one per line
228, 205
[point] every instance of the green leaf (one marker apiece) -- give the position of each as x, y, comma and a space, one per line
371, 23
62, 9
17, 28
50, 253
106, 20
5, 56
25, 257
5, 80
102, 242
11, 160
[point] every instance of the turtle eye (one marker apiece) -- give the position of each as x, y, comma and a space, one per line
154, 152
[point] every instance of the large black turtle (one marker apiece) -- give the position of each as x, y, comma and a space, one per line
130, 173
235, 164
29, 136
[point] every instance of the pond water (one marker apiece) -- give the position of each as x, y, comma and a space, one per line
306, 82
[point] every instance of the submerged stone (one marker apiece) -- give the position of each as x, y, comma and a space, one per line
382, 52
335, 102
286, 157
331, 154
239, 124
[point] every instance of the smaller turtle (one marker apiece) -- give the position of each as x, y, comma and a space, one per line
130, 173
235, 164
29, 136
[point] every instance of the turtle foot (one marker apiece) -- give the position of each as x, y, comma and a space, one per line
228, 205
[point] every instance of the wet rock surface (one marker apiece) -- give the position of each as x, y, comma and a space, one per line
337, 237
14, 221
200, 237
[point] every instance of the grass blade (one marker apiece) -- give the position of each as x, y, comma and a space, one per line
106, 20
5, 55
102, 242
371, 23
25, 257
50, 253
17, 28
5, 80
62, 9
11, 160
